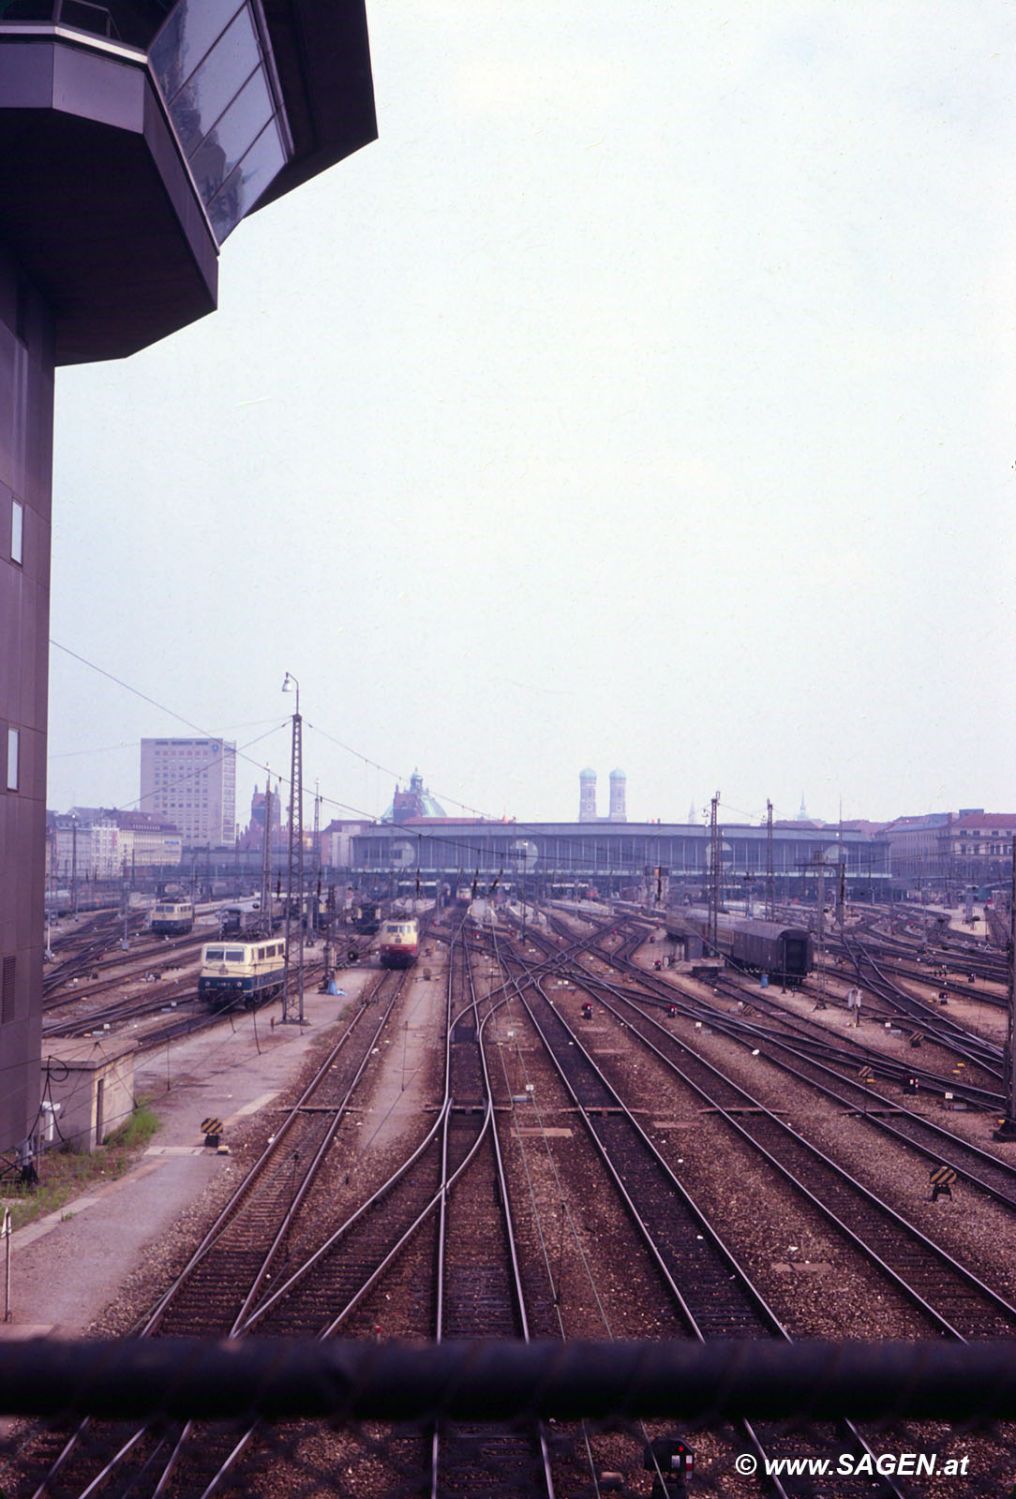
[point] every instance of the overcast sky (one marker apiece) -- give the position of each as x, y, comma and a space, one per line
645, 396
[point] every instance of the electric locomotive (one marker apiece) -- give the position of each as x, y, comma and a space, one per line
235, 973
171, 918
399, 942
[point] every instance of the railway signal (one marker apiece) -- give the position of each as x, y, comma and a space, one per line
673, 1463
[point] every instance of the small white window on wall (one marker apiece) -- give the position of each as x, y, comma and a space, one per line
17, 531
13, 747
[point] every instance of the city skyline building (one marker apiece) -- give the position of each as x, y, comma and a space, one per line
253, 835
101, 843
413, 803
618, 797
191, 783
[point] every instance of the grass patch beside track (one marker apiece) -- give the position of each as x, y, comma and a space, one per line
64, 1174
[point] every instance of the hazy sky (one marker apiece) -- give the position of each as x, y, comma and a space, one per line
644, 397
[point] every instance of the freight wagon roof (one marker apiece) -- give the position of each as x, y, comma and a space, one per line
694, 917
769, 928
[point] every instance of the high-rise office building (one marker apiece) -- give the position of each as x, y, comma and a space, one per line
192, 783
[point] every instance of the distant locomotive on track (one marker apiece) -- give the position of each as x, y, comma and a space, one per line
241, 973
783, 952
367, 918
171, 918
399, 942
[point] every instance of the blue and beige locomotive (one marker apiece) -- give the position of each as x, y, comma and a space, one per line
172, 918
241, 973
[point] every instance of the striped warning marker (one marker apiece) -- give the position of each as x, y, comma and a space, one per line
211, 1126
942, 1178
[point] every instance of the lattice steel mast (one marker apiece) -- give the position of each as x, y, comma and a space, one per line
265, 923
715, 873
294, 878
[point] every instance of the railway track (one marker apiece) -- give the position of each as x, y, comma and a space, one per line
973, 1049
956, 1302
812, 1065
713, 1293
240, 1282
453, 1188
479, 1290
811, 1036
226, 1273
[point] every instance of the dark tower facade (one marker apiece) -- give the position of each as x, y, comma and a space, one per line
26, 440
134, 137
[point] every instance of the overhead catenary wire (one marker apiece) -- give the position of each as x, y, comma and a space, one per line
475, 850
359, 812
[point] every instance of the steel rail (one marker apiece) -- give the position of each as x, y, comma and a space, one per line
909, 1125
819, 1040
708, 1072
151, 1324
445, 1444
983, 1054
762, 1440
430, 1209
253, 1313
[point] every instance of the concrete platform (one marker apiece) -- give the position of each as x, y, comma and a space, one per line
69, 1266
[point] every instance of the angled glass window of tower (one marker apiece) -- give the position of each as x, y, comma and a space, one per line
214, 74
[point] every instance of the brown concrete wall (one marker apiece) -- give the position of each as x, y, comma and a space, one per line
26, 445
